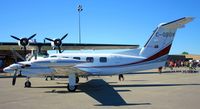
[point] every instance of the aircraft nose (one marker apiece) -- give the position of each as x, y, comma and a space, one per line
14, 66
7, 70
11, 68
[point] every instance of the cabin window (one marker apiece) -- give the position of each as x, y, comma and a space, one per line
90, 59
103, 59
78, 58
156, 46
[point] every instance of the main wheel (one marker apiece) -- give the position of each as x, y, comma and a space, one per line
27, 84
71, 88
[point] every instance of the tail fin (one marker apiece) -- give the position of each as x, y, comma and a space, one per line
161, 40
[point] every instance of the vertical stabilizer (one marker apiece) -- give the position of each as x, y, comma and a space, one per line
161, 40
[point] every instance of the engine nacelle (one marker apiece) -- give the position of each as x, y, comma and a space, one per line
23, 42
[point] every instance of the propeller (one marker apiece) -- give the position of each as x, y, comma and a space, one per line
24, 42
57, 43
17, 55
14, 77
17, 69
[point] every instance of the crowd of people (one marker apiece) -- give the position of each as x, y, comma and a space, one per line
191, 64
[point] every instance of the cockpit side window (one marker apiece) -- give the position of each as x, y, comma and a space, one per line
78, 58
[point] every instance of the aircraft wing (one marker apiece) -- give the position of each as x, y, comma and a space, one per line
67, 46
66, 70
61, 66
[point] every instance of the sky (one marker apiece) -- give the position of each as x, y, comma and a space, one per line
102, 21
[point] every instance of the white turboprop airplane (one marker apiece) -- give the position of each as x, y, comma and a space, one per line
153, 55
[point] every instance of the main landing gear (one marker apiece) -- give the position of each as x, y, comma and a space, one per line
72, 85
27, 84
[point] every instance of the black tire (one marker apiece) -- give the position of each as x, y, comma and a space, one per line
71, 88
27, 84
77, 79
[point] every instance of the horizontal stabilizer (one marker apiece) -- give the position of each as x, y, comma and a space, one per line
180, 23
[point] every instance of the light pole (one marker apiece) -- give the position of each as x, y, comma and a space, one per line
79, 11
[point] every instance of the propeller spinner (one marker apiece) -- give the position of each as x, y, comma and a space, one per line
57, 43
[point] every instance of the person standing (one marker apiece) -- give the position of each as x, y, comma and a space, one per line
121, 77
160, 69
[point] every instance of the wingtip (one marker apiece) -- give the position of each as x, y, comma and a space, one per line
190, 18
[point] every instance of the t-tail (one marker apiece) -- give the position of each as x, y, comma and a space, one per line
159, 44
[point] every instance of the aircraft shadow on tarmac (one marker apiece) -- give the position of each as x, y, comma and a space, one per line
154, 85
99, 90
104, 93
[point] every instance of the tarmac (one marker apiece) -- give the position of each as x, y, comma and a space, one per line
148, 90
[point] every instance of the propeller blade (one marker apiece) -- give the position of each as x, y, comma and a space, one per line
14, 78
64, 36
15, 37
25, 52
49, 39
15, 57
17, 54
35, 54
59, 49
31, 36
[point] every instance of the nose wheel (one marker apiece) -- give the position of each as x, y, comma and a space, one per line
27, 84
